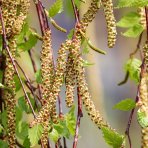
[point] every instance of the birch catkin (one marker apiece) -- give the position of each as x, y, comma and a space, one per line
145, 53
9, 95
111, 22
70, 81
58, 81
83, 88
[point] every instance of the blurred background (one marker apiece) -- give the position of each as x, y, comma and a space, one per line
102, 77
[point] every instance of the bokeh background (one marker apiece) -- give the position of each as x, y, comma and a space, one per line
102, 77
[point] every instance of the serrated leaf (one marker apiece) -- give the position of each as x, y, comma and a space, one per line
54, 135
129, 20
29, 44
71, 121
112, 138
125, 105
133, 67
142, 118
56, 8
132, 3
134, 31
38, 76
3, 117
22, 130
34, 134
3, 144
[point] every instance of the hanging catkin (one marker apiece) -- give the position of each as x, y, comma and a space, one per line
111, 22
90, 14
143, 94
9, 95
70, 81
141, 12
58, 81
83, 89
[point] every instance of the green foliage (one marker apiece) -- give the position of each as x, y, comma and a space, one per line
56, 8
26, 143
125, 105
38, 76
34, 134
17, 83
131, 21
3, 144
3, 119
1, 128
133, 67
142, 118
132, 3
23, 105
54, 135
87, 64
26, 39
112, 138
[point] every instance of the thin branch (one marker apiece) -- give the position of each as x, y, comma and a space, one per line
28, 82
79, 115
35, 70
146, 15
13, 62
132, 112
64, 142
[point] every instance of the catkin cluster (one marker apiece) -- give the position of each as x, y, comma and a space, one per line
143, 93
57, 83
141, 12
83, 87
145, 53
10, 9
111, 22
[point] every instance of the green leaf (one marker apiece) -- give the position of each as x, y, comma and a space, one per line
3, 144
38, 76
17, 83
142, 118
1, 76
85, 46
71, 121
125, 105
129, 20
54, 135
112, 138
19, 114
134, 31
26, 143
22, 130
132, 3
56, 8
34, 134
27, 45
1, 128
3, 117
133, 67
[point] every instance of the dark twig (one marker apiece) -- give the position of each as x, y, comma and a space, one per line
13, 62
35, 70
132, 112
64, 142
79, 115
146, 14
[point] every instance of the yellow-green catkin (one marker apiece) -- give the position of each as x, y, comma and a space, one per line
47, 74
58, 81
143, 94
23, 9
9, 95
90, 14
145, 53
9, 13
83, 88
111, 22
141, 12
70, 81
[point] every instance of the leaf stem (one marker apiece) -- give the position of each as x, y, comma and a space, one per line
146, 15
